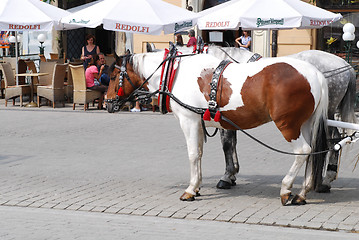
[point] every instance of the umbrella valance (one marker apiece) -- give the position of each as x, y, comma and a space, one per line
29, 15
265, 14
135, 16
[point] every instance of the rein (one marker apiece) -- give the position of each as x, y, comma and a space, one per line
201, 111
140, 94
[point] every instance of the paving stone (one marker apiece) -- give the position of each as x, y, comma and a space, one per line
330, 226
86, 208
153, 212
166, 213
314, 225
126, 211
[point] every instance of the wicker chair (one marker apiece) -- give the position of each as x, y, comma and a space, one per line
21, 67
46, 67
54, 92
69, 87
54, 56
82, 95
12, 90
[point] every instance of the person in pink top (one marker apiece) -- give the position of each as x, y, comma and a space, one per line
92, 76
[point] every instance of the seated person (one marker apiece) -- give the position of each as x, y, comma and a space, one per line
92, 75
101, 63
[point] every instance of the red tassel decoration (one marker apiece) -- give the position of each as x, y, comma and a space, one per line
217, 117
120, 92
207, 115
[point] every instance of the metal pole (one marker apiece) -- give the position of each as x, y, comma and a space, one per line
17, 58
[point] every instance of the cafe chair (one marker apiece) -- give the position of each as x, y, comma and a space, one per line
54, 56
12, 91
82, 95
42, 58
46, 67
69, 86
21, 67
109, 59
54, 92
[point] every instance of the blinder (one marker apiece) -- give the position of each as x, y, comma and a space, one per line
123, 71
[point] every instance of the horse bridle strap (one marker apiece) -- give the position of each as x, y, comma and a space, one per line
123, 73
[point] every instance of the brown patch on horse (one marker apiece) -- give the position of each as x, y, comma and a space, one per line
224, 90
112, 88
135, 79
279, 93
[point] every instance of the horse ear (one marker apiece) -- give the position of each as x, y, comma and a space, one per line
116, 57
128, 52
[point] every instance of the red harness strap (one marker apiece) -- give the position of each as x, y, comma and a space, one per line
166, 81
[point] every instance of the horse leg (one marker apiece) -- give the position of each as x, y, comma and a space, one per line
308, 184
193, 132
332, 165
229, 142
299, 146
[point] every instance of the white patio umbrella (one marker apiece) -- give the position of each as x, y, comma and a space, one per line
135, 16
265, 14
29, 15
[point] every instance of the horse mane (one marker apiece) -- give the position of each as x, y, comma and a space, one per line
138, 62
239, 54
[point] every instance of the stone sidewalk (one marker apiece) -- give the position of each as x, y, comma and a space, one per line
136, 164
50, 224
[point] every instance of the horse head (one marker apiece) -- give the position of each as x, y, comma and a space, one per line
125, 81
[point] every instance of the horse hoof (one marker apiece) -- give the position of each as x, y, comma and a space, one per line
224, 185
234, 183
298, 200
285, 198
323, 188
197, 193
187, 197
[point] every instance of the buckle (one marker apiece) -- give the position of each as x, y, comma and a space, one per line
212, 104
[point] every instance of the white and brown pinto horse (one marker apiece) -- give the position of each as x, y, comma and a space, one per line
249, 95
341, 81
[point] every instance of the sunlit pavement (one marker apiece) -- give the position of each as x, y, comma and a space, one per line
123, 173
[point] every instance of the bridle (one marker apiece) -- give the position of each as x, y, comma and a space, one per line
123, 71
139, 94
122, 75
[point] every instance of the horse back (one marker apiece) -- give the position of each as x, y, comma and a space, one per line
276, 90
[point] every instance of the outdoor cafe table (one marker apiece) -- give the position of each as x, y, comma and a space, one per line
31, 103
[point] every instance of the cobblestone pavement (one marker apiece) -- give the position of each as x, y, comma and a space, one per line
135, 164
50, 224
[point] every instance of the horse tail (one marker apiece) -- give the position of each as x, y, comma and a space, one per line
319, 141
347, 105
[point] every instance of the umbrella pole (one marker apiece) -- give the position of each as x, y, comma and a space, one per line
268, 42
17, 58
